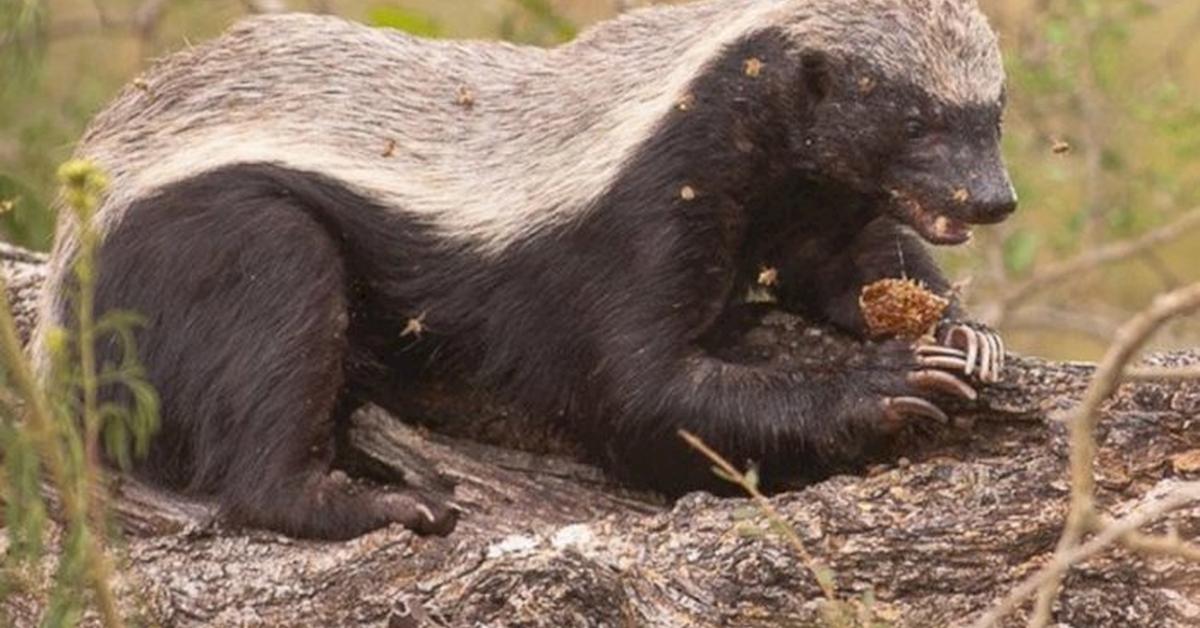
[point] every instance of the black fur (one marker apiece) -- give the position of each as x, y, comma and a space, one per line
277, 301
248, 303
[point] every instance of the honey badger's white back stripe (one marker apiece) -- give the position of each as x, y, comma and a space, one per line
547, 133
290, 91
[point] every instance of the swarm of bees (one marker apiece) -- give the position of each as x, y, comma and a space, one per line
900, 307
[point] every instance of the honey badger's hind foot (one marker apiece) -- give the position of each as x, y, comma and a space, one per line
249, 342
333, 506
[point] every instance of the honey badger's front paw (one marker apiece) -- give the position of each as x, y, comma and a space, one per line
979, 348
919, 378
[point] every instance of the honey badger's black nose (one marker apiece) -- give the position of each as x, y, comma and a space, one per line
989, 201
983, 190
996, 204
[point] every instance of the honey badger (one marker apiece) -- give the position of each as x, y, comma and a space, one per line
311, 214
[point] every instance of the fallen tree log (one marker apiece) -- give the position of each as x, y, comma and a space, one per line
932, 538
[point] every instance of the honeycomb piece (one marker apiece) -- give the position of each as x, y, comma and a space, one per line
900, 307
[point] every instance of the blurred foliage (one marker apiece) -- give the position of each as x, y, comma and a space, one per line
1103, 128
406, 20
547, 24
1102, 133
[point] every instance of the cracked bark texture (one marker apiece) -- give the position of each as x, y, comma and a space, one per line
936, 530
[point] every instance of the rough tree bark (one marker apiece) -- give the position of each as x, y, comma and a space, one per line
935, 536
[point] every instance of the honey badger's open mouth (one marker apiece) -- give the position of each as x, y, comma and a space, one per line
934, 227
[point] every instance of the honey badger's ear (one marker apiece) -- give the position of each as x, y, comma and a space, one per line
815, 75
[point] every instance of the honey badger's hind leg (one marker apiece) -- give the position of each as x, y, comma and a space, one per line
244, 299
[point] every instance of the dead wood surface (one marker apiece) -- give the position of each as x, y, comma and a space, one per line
937, 536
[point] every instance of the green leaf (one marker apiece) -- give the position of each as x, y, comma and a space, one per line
1020, 250
747, 530
745, 513
780, 528
724, 475
826, 578
411, 22
868, 598
751, 476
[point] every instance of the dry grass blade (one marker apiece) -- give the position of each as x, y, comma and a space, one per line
822, 573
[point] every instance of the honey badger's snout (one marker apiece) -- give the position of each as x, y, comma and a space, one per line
987, 195
941, 190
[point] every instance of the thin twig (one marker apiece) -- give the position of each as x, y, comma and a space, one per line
1111, 253
1162, 373
1114, 532
1082, 424
1160, 545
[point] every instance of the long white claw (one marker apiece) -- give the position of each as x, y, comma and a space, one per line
425, 512
997, 356
985, 355
972, 345
941, 350
942, 362
896, 407
993, 357
943, 382
1003, 354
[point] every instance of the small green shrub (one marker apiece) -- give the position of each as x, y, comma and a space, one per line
55, 434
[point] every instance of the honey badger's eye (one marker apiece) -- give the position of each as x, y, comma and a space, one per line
914, 128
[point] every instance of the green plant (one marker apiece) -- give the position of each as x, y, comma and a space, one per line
54, 426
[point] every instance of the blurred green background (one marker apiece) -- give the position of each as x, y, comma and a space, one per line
1103, 133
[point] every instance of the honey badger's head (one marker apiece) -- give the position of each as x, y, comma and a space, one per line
903, 100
